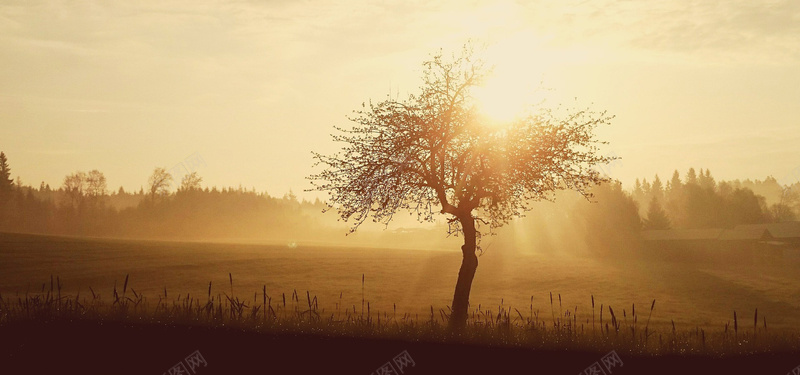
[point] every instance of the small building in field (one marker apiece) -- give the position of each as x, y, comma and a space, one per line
683, 244
743, 242
787, 232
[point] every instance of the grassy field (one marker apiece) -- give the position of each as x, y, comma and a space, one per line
411, 281
317, 299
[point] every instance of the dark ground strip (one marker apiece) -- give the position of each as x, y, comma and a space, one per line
124, 348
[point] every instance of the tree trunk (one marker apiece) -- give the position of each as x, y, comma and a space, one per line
469, 263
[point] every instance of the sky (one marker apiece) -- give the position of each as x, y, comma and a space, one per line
243, 91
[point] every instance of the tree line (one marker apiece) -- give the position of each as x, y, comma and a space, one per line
611, 222
83, 205
698, 201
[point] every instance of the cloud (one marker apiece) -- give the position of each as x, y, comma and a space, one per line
696, 31
736, 30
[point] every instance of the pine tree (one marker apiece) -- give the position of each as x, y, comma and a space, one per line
638, 193
657, 188
656, 216
5, 172
691, 177
706, 181
674, 198
6, 182
646, 187
675, 183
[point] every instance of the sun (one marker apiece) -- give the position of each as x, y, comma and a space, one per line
502, 100
514, 85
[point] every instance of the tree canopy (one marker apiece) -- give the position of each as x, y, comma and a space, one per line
434, 152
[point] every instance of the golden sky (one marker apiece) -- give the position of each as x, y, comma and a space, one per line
253, 86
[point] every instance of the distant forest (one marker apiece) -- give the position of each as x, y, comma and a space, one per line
698, 201
83, 205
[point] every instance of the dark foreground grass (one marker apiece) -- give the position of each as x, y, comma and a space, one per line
91, 347
127, 332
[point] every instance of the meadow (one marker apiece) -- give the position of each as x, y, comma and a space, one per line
408, 281
550, 302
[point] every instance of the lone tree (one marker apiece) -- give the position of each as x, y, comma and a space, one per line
159, 183
74, 188
435, 153
191, 182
